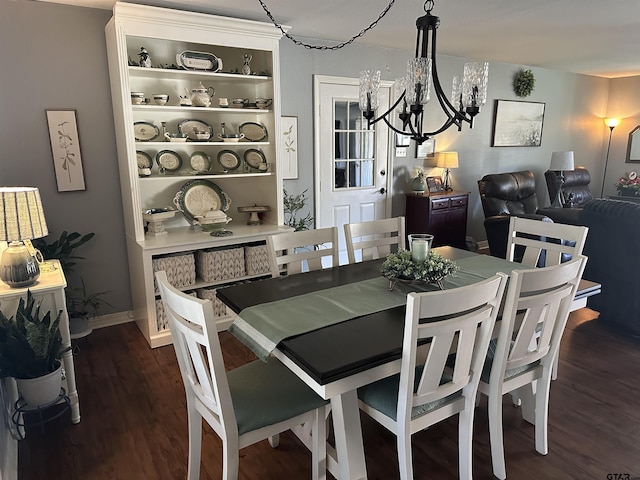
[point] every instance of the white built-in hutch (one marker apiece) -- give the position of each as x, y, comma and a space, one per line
166, 34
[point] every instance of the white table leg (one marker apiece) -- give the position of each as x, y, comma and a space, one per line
348, 437
67, 359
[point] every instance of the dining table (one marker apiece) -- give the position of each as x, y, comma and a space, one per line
341, 328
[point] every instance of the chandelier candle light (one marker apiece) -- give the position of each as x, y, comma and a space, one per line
560, 161
468, 95
22, 220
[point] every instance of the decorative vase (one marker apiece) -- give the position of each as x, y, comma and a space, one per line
42, 390
418, 185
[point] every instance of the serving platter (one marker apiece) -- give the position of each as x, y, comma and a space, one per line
228, 159
254, 132
200, 162
169, 160
254, 158
203, 61
143, 159
197, 197
192, 127
145, 131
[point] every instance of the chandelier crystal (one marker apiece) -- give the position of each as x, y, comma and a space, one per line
468, 94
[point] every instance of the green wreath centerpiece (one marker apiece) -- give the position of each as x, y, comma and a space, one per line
523, 83
401, 267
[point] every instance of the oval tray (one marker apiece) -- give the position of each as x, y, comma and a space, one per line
254, 132
203, 61
145, 131
190, 126
197, 197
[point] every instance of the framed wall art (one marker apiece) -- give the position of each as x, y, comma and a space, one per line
427, 149
65, 147
289, 138
517, 124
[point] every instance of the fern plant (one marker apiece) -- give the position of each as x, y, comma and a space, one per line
31, 345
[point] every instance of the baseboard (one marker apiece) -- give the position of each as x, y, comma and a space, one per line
111, 319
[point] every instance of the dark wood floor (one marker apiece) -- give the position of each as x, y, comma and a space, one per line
134, 422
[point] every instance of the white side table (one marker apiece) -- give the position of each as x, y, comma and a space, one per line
49, 290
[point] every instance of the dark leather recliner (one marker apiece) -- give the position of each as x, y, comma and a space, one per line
504, 195
612, 247
575, 190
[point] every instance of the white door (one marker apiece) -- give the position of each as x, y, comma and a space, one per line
351, 161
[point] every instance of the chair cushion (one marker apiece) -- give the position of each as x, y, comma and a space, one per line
265, 393
383, 395
512, 372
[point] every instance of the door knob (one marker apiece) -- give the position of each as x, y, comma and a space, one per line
383, 172
382, 191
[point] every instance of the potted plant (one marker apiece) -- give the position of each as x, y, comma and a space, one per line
30, 351
80, 305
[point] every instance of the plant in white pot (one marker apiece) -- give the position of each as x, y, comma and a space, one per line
81, 306
31, 350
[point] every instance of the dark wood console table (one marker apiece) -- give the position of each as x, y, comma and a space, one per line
444, 215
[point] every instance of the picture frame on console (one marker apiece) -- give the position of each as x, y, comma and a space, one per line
518, 124
435, 185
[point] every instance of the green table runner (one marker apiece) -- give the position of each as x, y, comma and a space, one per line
262, 327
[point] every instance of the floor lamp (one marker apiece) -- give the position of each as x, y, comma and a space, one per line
611, 123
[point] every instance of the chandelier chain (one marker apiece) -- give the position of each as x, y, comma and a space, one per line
327, 47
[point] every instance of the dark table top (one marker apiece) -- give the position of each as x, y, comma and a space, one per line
343, 349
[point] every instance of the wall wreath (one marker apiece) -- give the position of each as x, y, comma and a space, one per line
523, 82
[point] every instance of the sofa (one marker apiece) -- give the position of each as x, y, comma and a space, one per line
612, 247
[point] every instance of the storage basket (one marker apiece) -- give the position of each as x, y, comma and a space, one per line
180, 269
161, 319
219, 308
257, 259
220, 264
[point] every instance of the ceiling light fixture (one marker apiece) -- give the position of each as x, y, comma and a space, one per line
467, 96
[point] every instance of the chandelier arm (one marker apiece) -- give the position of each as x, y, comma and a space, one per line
326, 47
382, 116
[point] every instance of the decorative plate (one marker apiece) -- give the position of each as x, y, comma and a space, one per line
228, 159
200, 162
199, 61
145, 131
192, 127
254, 132
254, 158
169, 160
197, 197
143, 159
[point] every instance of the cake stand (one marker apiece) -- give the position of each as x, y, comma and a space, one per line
254, 210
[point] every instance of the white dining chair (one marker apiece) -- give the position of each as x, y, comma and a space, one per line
537, 300
536, 237
556, 241
422, 394
374, 239
305, 250
251, 403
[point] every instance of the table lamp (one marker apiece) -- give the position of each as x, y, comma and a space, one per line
560, 161
22, 219
447, 160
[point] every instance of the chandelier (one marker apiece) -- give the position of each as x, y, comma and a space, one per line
414, 90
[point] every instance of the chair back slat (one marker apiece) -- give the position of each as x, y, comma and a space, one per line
195, 340
558, 241
374, 239
458, 320
296, 252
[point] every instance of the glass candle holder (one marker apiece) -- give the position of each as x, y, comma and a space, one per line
419, 246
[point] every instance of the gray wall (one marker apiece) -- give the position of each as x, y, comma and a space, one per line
53, 56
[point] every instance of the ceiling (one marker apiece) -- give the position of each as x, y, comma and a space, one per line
581, 36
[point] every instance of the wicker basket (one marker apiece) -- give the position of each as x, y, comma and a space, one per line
161, 319
257, 259
219, 308
220, 264
180, 269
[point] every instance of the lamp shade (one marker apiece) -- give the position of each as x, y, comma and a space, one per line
561, 161
22, 215
612, 122
447, 159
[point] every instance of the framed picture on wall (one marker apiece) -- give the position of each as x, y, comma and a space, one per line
65, 148
517, 124
434, 184
426, 149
